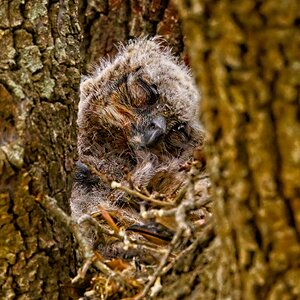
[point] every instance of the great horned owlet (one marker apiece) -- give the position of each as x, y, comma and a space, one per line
138, 123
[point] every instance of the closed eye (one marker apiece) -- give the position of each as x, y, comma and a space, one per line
151, 91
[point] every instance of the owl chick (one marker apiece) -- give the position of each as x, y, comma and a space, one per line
138, 123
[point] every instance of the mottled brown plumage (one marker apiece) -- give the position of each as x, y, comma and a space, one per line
138, 124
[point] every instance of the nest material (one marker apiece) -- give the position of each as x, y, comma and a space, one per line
147, 254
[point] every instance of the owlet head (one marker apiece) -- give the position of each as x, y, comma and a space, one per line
143, 98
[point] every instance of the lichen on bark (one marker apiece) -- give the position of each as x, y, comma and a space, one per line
38, 96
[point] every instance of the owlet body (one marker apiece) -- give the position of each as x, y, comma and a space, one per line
138, 124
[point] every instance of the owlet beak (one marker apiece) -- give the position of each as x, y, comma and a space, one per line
146, 135
155, 129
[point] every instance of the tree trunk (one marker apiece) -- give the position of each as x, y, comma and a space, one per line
39, 81
246, 59
107, 23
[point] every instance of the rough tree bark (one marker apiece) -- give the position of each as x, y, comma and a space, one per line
107, 23
39, 80
246, 58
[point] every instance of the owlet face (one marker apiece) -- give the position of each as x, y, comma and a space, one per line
142, 100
